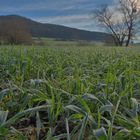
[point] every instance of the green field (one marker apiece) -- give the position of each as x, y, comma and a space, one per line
69, 93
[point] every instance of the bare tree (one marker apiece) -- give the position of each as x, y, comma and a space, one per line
14, 32
121, 20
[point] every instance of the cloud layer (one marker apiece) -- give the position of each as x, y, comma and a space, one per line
73, 13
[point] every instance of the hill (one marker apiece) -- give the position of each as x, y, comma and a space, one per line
57, 31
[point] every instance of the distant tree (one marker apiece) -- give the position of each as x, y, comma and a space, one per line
121, 20
14, 32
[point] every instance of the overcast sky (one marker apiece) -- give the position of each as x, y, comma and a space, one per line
72, 13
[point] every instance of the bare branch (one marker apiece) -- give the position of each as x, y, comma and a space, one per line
121, 21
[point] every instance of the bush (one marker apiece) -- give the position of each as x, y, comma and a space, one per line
14, 32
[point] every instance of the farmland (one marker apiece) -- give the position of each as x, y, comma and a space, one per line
69, 93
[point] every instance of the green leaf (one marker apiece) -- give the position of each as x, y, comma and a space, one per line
134, 107
100, 134
76, 116
3, 131
67, 128
90, 96
83, 127
75, 109
38, 124
106, 108
3, 117
23, 113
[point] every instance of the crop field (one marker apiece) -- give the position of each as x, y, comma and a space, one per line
69, 93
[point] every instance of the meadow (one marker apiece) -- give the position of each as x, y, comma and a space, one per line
69, 93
